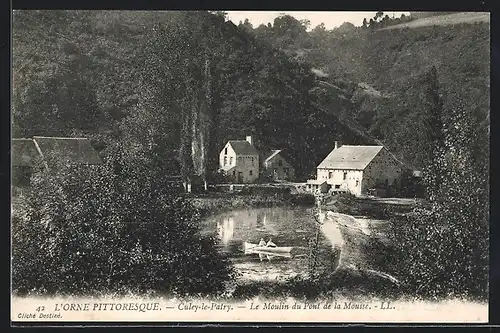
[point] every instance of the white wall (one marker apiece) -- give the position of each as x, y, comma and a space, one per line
352, 182
230, 158
236, 164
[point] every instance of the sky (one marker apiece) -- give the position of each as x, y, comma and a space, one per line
330, 19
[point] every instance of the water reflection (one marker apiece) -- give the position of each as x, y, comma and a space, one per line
287, 227
225, 229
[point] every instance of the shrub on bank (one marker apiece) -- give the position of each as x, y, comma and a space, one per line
216, 202
108, 230
349, 283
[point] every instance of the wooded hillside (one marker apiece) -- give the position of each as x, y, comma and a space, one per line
383, 71
143, 78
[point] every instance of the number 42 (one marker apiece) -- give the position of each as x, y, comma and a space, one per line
40, 308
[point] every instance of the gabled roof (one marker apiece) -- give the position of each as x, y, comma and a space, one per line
243, 147
271, 154
73, 150
23, 152
350, 157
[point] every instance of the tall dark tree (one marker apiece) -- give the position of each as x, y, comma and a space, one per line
434, 130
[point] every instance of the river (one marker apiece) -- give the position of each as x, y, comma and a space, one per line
296, 227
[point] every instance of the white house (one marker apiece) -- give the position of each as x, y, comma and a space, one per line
276, 167
358, 169
239, 159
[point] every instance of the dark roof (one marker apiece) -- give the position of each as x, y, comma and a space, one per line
243, 147
23, 152
269, 155
350, 157
73, 150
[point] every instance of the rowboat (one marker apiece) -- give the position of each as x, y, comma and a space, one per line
255, 248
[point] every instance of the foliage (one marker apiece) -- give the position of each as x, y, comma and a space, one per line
111, 229
341, 284
150, 68
395, 62
211, 203
445, 243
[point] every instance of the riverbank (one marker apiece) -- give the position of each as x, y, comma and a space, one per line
363, 253
216, 202
376, 208
364, 244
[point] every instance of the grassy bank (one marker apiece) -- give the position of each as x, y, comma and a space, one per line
372, 208
353, 284
211, 203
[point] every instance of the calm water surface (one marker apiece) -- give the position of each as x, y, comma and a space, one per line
286, 226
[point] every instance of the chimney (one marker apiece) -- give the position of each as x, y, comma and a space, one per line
249, 139
336, 145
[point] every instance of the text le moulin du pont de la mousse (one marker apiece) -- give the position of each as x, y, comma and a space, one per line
41, 312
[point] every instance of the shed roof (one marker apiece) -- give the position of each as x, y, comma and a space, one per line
316, 181
350, 157
73, 150
243, 147
23, 152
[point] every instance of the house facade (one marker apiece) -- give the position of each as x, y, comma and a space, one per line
276, 167
360, 169
239, 159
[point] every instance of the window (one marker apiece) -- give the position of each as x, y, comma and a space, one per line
330, 174
251, 158
225, 160
231, 160
286, 170
234, 173
280, 163
225, 151
345, 175
250, 172
357, 182
337, 186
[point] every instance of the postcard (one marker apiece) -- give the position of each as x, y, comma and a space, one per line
218, 166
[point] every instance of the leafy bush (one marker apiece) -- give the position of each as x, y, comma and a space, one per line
110, 229
443, 245
303, 199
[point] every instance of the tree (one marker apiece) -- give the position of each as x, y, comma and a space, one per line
52, 94
290, 32
444, 241
372, 23
111, 229
433, 124
246, 25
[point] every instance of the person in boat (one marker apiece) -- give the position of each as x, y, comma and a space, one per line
262, 242
270, 243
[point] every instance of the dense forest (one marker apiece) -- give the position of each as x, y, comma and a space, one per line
131, 76
381, 73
